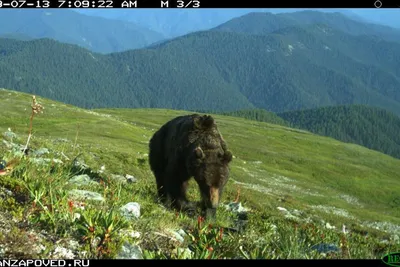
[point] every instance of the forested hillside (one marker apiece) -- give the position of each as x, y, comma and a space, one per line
371, 127
297, 67
257, 115
136, 79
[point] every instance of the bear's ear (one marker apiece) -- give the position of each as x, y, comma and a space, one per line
227, 157
199, 153
203, 122
197, 122
207, 121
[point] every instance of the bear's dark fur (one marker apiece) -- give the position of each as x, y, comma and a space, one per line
190, 146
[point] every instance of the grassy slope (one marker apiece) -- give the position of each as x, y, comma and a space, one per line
274, 165
320, 165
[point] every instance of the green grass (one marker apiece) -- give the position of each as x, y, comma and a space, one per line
274, 166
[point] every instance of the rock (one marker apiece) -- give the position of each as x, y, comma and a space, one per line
236, 207
130, 233
87, 195
62, 253
325, 248
123, 179
81, 180
40, 152
297, 213
328, 226
130, 251
170, 236
102, 169
66, 248
15, 148
130, 178
182, 232
9, 145
282, 209
178, 235
131, 210
242, 217
289, 215
38, 161
38, 248
118, 178
383, 226
77, 216
2, 252
80, 165
9, 135
5, 192
44, 161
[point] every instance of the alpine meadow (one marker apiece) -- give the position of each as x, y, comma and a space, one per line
307, 101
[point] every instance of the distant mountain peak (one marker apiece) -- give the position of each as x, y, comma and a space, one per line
95, 33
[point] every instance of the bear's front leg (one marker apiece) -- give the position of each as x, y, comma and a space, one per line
182, 202
176, 189
208, 213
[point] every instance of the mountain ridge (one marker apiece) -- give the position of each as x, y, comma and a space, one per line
295, 67
95, 33
180, 22
265, 23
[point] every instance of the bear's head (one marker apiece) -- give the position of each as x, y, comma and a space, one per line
210, 160
211, 174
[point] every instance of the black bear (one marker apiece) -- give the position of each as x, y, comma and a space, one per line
190, 146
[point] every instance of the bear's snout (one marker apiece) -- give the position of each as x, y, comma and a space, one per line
214, 197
